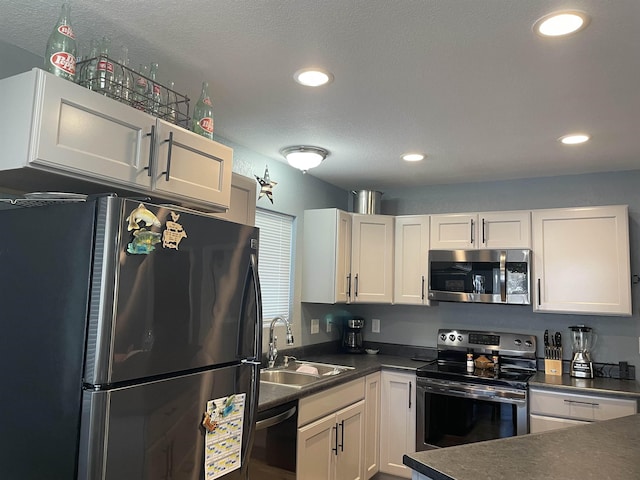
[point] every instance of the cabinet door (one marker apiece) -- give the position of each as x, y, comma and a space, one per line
505, 229
372, 425
191, 166
453, 232
581, 260
326, 264
411, 259
397, 421
88, 135
242, 205
350, 458
317, 449
372, 259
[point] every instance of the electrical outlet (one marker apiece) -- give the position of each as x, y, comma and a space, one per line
375, 325
315, 325
328, 326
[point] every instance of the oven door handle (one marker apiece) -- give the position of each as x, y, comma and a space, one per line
466, 392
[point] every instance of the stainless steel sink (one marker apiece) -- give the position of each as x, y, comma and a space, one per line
298, 373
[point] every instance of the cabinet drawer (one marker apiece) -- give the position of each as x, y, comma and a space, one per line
328, 401
540, 423
580, 407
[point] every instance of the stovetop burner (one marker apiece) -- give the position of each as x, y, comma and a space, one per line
516, 352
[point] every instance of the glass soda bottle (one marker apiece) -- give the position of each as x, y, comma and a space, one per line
170, 102
154, 98
105, 68
60, 55
90, 77
140, 88
202, 122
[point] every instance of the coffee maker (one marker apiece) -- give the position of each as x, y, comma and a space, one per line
352, 335
583, 341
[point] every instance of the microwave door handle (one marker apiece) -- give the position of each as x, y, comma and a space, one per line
503, 276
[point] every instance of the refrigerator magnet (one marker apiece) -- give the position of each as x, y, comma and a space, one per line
173, 233
143, 243
141, 214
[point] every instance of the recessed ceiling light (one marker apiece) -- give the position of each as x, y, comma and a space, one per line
312, 77
574, 138
561, 23
413, 157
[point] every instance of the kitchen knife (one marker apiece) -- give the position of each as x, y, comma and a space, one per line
546, 338
558, 339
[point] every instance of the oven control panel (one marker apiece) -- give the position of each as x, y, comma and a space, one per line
505, 343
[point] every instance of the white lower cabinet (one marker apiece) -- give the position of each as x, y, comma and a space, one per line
372, 425
331, 429
551, 410
397, 421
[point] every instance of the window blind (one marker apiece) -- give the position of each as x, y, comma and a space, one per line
274, 263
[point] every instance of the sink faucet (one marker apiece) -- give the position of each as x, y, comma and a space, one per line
273, 350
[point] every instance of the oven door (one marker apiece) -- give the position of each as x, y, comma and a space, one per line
455, 413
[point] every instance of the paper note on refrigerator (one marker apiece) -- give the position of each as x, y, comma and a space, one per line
223, 441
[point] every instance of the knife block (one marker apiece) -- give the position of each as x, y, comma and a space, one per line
552, 366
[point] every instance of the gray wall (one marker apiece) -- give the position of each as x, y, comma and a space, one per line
617, 336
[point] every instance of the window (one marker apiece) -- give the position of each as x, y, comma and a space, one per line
274, 263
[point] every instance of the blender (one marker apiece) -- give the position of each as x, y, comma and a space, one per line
583, 341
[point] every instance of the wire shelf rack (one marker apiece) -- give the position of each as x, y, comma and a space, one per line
115, 80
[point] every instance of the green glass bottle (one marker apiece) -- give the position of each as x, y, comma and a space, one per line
202, 122
60, 54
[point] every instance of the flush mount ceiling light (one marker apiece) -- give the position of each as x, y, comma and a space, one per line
312, 77
413, 157
561, 23
304, 157
574, 138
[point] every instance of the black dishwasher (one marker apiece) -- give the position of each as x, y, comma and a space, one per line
273, 456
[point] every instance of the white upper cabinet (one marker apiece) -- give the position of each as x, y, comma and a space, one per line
372, 258
52, 126
242, 205
466, 231
581, 260
326, 268
411, 260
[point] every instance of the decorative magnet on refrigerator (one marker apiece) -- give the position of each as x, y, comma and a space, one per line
266, 185
144, 242
141, 214
174, 232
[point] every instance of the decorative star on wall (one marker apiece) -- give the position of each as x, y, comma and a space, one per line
266, 185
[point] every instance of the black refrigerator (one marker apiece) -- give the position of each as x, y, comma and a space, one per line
130, 341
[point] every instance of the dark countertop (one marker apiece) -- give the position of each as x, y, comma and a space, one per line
272, 395
602, 450
598, 386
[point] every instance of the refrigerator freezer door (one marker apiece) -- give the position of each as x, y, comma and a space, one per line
188, 303
154, 430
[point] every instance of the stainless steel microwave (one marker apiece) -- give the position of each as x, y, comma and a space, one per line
480, 276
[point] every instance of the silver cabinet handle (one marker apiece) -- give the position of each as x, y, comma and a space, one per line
484, 238
335, 450
356, 285
342, 436
539, 295
591, 404
348, 286
422, 286
410, 385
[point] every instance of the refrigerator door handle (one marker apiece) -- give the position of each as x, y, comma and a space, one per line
250, 361
254, 361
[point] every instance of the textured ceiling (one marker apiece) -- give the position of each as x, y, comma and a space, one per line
465, 81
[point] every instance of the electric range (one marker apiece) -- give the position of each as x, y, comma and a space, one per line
460, 402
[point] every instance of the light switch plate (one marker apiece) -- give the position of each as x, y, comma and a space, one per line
328, 326
375, 325
315, 325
